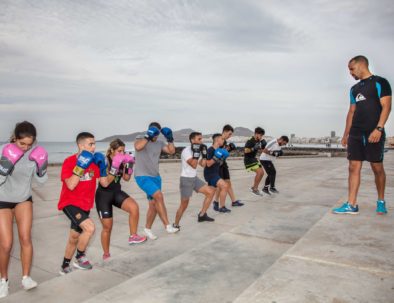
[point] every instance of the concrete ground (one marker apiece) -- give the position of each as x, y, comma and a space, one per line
286, 247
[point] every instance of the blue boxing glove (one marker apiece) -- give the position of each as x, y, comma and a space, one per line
220, 155
84, 159
99, 160
151, 133
167, 132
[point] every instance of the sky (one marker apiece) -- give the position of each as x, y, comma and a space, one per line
111, 67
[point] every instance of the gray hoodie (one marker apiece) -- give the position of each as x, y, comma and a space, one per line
16, 188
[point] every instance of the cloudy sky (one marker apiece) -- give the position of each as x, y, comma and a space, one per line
110, 67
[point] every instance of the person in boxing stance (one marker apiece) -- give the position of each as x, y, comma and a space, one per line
79, 176
20, 162
120, 166
189, 181
146, 173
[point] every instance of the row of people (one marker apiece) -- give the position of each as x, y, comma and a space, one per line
81, 172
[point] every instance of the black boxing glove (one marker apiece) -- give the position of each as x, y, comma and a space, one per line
203, 151
196, 150
231, 146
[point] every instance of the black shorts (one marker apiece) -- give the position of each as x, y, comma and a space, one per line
76, 215
224, 172
12, 205
105, 199
359, 149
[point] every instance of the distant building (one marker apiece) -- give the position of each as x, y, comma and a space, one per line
333, 134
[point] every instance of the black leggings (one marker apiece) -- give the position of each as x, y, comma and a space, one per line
271, 172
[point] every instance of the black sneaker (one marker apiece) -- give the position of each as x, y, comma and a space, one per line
224, 209
237, 203
216, 205
265, 190
205, 218
176, 226
274, 190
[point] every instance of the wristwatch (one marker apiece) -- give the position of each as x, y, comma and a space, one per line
381, 129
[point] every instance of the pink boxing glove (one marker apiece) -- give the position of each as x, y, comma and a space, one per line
116, 162
40, 156
129, 160
10, 155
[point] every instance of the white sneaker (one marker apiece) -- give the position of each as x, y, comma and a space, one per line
3, 288
148, 232
171, 229
28, 283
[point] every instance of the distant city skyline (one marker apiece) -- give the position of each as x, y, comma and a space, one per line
113, 67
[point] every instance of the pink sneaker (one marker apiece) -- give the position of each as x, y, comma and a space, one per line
106, 256
136, 239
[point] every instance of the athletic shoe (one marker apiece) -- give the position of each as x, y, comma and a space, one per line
176, 226
66, 270
215, 205
256, 192
381, 207
205, 218
4, 285
171, 230
106, 256
265, 190
148, 232
346, 208
83, 263
136, 239
28, 283
237, 203
274, 190
224, 209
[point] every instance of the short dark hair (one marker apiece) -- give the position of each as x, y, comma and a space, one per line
22, 130
193, 135
227, 128
285, 138
83, 136
259, 130
360, 58
155, 124
214, 136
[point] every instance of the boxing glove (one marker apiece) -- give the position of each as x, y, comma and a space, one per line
84, 159
196, 150
263, 144
9, 156
220, 155
257, 146
277, 153
116, 162
99, 159
151, 133
129, 161
40, 156
231, 146
203, 150
167, 133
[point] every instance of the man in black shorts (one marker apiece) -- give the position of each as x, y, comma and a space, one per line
370, 105
224, 171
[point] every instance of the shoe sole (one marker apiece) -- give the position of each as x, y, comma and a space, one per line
76, 265
347, 213
135, 242
381, 213
29, 287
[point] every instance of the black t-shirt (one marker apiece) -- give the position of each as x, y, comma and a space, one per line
250, 157
115, 184
366, 96
214, 169
225, 145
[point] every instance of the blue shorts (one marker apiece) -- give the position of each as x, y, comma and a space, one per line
149, 185
212, 180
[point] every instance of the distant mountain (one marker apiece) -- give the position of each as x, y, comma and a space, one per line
181, 135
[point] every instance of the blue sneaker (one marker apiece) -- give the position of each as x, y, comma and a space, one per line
216, 205
381, 207
224, 209
346, 208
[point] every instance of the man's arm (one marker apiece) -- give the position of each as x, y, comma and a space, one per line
349, 119
169, 148
192, 162
140, 144
375, 136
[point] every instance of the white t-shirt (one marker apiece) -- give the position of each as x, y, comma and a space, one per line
187, 170
271, 146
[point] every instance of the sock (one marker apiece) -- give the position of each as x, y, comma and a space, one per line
80, 253
66, 262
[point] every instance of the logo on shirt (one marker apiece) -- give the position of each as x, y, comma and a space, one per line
360, 97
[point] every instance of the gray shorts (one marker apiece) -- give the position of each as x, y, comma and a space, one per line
187, 185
